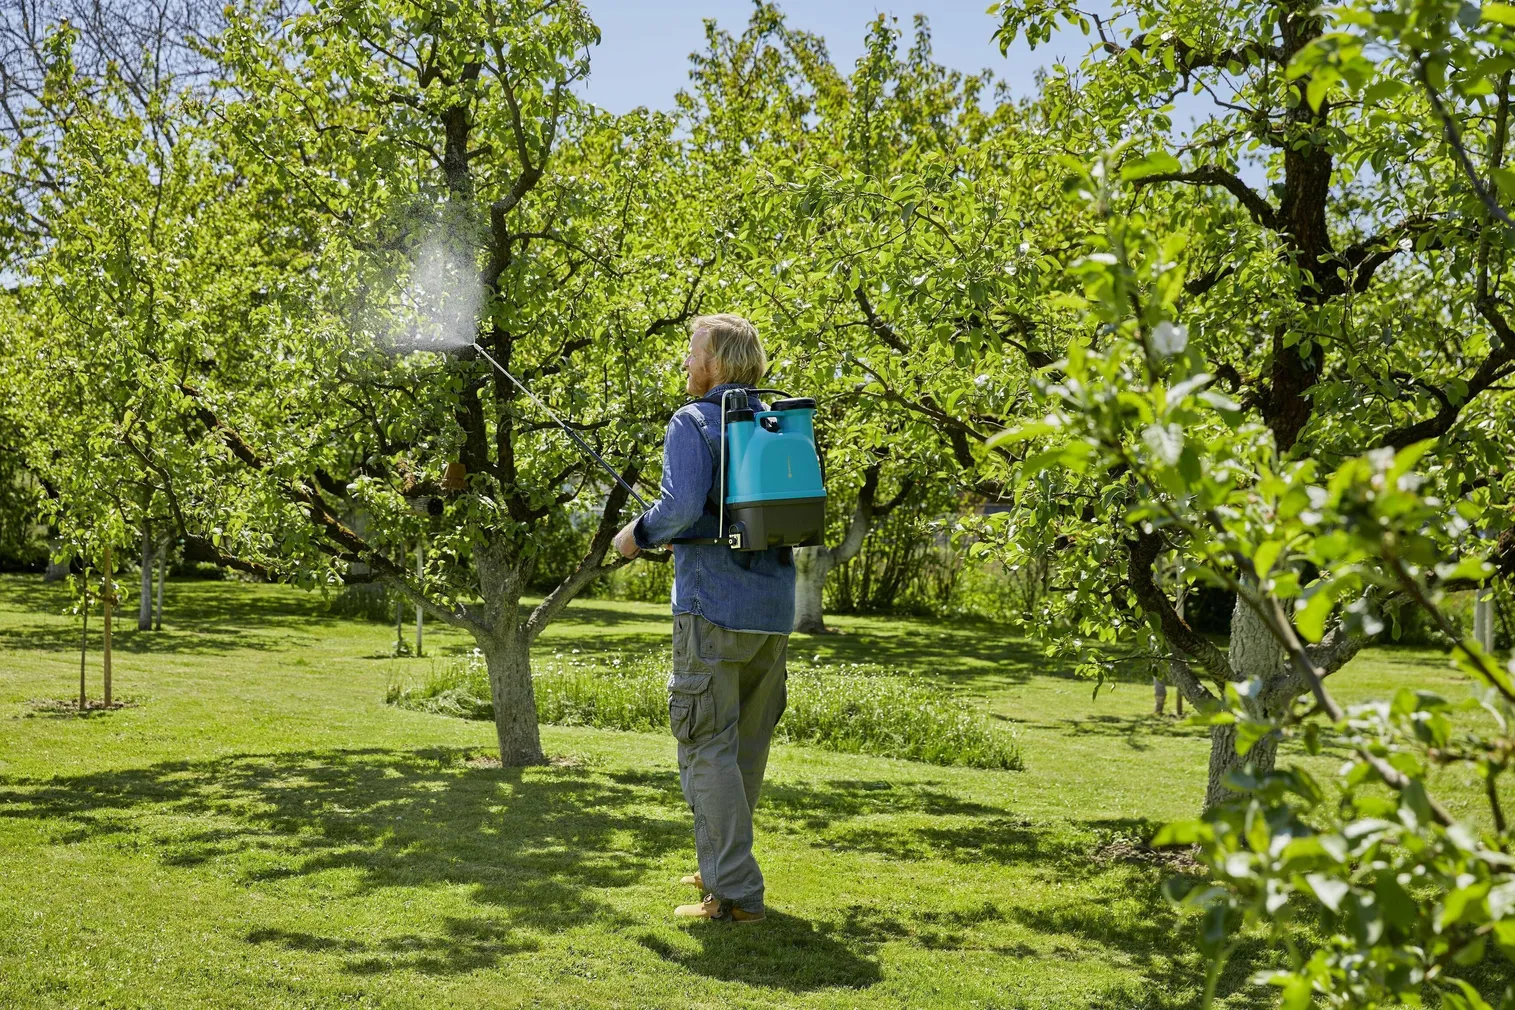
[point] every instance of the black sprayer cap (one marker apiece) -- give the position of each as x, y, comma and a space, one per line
795, 403
737, 406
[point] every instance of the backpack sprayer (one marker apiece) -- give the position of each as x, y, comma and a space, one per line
769, 473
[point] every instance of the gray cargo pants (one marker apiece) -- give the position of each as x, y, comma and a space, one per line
725, 696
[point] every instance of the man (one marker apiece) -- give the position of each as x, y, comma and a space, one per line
733, 611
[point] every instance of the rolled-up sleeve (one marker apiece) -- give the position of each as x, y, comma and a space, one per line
688, 472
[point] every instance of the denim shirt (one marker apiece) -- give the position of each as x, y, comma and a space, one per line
737, 590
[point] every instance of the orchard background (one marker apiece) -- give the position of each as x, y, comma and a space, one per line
1194, 367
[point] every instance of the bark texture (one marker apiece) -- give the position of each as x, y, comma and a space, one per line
1224, 760
514, 698
811, 566
507, 656
162, 574
1254, 655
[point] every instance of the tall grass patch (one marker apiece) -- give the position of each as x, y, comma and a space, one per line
853, 708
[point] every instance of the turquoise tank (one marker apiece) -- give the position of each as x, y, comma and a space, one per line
771, 465
774, 493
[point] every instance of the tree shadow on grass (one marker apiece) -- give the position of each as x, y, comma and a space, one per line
535, 850
202, 618
1135, 731
1135, 918
974, 653
815, 805
531, 845
601, 616
466, 944
781, 952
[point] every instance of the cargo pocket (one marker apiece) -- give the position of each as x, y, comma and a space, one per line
683, 635
691, 708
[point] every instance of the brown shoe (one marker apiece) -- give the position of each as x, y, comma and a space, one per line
693, 880
719, 910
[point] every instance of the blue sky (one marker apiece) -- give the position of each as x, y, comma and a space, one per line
644, 56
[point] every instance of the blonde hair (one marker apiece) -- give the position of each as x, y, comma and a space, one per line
735, 346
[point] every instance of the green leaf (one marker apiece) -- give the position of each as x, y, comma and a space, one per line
1311, 618
1320, 85
1263, 558
1471, 569
1182, 833
1464, 904
1469, 994
1213, 929
1504, 180
1399, 909
1296, 994
1503, 932
1499, 14
1024, 432
1156, 163
1406, 458
1248, 733
1329, 890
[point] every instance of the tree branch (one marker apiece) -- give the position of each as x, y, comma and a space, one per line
1142, 552
880, 329
1488, 373
589, 568
1210, 175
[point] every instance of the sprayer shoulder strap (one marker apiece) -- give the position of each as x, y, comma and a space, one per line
713, 442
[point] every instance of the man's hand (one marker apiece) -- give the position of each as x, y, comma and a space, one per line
626, 542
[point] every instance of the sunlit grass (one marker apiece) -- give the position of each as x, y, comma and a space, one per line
260, 830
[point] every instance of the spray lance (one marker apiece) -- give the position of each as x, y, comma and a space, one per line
771, 482
561, 424
768, 488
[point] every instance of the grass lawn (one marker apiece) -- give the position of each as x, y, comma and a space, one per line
260, 830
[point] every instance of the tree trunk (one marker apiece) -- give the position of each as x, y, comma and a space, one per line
1483, 618
811, 564
1224, 760
507, 656
145, 597
1254, 654
515, 704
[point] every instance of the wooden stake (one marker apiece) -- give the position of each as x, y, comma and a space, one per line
145, 583
109, 598
84, 644
162, 574
420, 580
1483, 618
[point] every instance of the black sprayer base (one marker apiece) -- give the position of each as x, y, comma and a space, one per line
788, 522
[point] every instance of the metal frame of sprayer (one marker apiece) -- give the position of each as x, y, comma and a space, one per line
730, 539
735, 539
